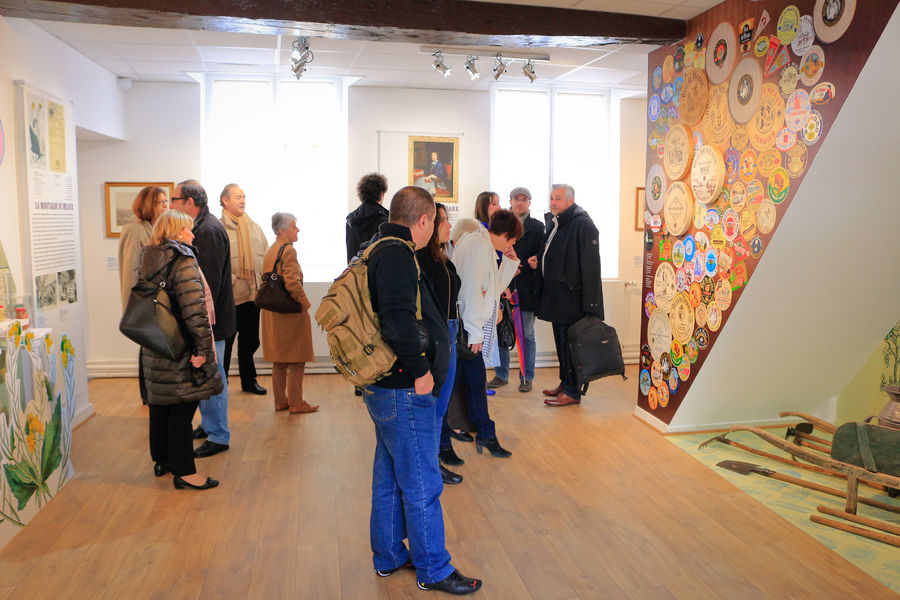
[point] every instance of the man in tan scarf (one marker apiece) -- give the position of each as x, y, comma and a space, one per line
248, 246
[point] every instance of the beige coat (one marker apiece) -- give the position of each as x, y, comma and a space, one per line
245, 289
287, 337
134, 236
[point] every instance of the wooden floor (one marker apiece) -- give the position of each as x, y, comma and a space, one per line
593, 504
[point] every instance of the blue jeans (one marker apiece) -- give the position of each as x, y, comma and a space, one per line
447, 387
472, 376
530, 348
214, 410
406, 483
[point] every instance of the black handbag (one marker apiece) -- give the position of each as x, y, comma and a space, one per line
150, 321
462, 344
594, 351
506, 328
272, 294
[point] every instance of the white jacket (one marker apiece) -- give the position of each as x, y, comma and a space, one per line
482, 280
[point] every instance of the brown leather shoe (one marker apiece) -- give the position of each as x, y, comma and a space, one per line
562, 399
554, 392
303, 408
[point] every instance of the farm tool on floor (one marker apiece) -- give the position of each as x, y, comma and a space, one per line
888, 533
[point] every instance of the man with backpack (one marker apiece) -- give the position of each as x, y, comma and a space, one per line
406, 480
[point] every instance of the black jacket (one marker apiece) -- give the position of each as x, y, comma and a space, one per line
214, 256
528, 281
169, 381
362, 224
443, 280
571, 269
421, 346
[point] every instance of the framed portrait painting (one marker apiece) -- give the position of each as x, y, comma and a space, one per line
639, 209
119, 200
434, 165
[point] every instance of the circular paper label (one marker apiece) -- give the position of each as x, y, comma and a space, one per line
761, 47
731, 223
679, 59
747, 168
681, 280
723, 294
739, 137
645, 382
721, 53
679, 208
678, 253
717, 237
694, 96
769, 160
812, 65
653, 107
795, 159
678, 152
755, 194
668, 69
649, 303
712, 218
656, 79
714, 317
702, 242
766, 123
646, 358
655, 224
681, 318
756, 246
702, 337
664, 286
655, 190
806, 35
656, 373
779, 185
717, 122
677, 351
659, 333
796, 110
691, 350
766, 216
663, 395
813, 128
738, 195
707, 174
832, 18
676, 88
711, 263
748, 224
732, 161
684, 369
667, 93
788, 24
694, 294
789, 78
744, 90
700, 313
653, 398
785, 140
689, 248
822, 93
672, 381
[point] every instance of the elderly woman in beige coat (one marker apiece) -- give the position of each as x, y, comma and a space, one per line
287, 337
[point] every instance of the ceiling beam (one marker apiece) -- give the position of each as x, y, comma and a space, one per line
431, 22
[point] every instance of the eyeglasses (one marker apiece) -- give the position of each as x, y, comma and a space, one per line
179, 198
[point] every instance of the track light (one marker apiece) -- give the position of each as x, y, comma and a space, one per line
301, 56
439, 65
499, 67
528, 69
470, 67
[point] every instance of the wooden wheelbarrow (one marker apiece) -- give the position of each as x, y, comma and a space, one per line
859, 451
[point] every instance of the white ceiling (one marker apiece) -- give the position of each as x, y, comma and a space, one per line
150, 54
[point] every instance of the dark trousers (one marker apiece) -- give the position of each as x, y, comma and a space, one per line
473, 377
566, 372
247, 342
142, 383
170, 436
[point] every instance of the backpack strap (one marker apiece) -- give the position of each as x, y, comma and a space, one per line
396, 241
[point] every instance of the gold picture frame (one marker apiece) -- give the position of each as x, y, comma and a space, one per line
639, 209
120, 196
434, 165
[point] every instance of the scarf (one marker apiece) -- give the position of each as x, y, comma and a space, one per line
245, 250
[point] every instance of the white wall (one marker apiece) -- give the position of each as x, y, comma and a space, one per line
162, 127
828, 286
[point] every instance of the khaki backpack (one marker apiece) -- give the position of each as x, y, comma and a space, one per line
352, 328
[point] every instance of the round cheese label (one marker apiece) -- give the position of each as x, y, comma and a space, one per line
700, 313
702, 337
677, 351
766, 216
748, 224
806, 35
813, 128
653, 107
785, 140
769, 160
788, 24
659, 333
694, 293
721, 53
702, 242
655, 190
676, 89
779, 186
678, 152
656, 79
689, 248
832, 18
668, 69
672, 381
681, 280
738, 196
789, 78
678, 253
679, 59
694, 96
717, 238
796, 110
739, 137
744, 90
731, 223
681, 318
679, 208
699, 215
761, 46
747, 168
655, 223
656, 373
707, 174
691, 350
756, 246
663, 395
767, 122
717, 122
711, 264
714, 317
755, 194
732, 161
644, 382
812, 65
667, 93
646, 358
712, 218
796, 158
649, 303
723, 294
822, 93
684, 369
664, 286
653, 398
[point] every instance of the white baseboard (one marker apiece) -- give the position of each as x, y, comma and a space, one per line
660, 426
82, 414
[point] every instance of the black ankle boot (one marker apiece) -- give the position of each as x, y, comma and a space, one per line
449, 477
448, 457
493, 446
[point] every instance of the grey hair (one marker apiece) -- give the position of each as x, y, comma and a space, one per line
281, 220
570, 191
225, 191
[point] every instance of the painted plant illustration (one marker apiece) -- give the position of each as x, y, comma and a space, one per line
36, 432
890, 351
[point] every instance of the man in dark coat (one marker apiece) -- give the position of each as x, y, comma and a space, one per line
527, 283
363, 222
214, 256
570, 271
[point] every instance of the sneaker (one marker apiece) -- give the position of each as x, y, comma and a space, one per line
388, 572
496, 382
524, 386
455, 583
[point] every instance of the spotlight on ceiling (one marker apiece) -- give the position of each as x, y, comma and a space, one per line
528, 69
301, 56
439, 65
470, 67
499, 67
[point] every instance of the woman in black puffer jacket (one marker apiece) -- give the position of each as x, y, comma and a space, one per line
175, 387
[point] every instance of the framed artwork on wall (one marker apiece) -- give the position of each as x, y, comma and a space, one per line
119, 198
639, 209
434, 165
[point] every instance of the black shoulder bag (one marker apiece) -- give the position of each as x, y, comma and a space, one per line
150, 321
272, 295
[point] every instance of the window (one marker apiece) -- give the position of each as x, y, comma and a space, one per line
284, 143
559, 136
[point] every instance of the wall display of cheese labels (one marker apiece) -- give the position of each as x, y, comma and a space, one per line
733, 125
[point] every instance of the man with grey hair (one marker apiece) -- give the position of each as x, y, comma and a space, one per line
248, 247
214, 257
570, 270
